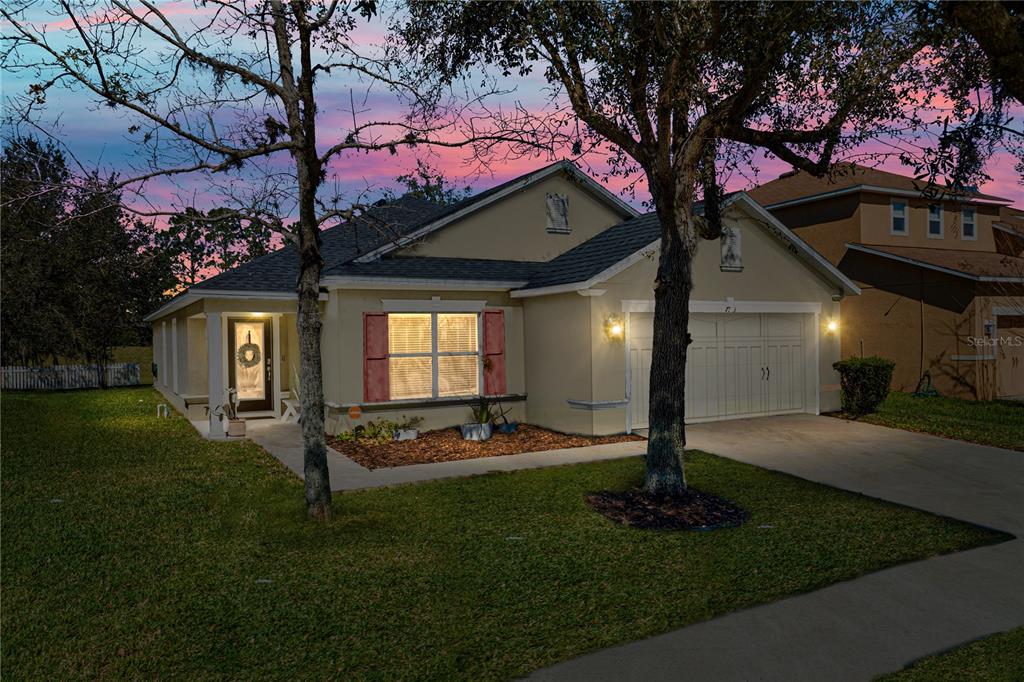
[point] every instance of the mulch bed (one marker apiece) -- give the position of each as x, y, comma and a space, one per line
447, 445
695, 510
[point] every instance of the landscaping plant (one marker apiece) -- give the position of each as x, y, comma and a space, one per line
864, 382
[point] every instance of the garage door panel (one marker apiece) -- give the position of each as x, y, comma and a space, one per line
702, 381
738, 365
785, 381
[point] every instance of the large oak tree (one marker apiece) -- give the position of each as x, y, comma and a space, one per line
673, 88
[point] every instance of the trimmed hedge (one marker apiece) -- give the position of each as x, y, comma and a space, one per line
865, 383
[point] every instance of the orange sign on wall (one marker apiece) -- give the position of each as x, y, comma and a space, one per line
355, 412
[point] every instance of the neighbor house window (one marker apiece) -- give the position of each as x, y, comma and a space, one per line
935, 221
899, 217
969, 220
558, 213
433, 355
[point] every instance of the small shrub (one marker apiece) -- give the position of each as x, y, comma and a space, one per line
380, 431
865, 383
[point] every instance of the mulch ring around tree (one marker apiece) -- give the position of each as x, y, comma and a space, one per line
447, 445
695, 510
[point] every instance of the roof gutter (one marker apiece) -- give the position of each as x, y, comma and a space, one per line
882, 190
368, 282
190, 296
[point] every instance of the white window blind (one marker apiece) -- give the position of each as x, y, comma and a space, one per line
433, 355
558, 213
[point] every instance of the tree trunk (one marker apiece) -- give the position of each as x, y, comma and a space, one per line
664, 473
311, 387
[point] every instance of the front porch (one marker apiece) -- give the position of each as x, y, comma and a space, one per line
215, 348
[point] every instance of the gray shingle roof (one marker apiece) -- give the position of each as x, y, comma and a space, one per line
278, 271
342, 244
598, 253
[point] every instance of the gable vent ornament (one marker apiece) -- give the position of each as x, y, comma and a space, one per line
557, 213
732, 256
248, 353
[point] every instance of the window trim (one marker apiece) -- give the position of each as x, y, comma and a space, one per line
906, 218
974, 224
435, 354
942, 222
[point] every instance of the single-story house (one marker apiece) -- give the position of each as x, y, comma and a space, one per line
539, 291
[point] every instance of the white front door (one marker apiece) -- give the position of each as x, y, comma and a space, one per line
739, 365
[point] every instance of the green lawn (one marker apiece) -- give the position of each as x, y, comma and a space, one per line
998, 658
998, 423
132, 548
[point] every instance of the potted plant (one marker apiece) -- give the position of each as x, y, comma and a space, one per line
481, 426
229, 411
408, 429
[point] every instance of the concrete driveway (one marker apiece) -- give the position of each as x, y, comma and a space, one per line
872, 625
976, 483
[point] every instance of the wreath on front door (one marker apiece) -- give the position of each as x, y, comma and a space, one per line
248, 353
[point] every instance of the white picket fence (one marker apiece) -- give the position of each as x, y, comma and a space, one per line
70, 376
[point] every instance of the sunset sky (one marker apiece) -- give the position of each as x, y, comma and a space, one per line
97, 136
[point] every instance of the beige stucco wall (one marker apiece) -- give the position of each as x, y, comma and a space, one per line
558, 361
570, 357
343, 353
876, 223
515, 228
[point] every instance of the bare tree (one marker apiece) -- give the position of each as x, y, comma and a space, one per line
234, 90
673, 87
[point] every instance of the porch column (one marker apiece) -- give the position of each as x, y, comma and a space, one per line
214, 371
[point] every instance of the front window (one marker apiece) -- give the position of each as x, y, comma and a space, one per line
935, 220
899, 217
433, 355
969, 218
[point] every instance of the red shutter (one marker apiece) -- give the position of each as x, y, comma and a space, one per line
376, 380
494, 352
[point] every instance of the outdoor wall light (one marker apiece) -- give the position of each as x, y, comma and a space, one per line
614, 327
832, 326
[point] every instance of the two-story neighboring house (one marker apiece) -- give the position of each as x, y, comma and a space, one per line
941, 274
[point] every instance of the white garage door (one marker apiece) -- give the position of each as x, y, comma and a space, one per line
739, 365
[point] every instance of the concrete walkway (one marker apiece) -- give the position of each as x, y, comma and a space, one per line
284, 442
872, 625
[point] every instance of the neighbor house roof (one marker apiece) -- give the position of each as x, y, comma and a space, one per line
983, 266
800, 187
1010, 220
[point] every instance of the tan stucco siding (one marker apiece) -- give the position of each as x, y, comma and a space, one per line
343, 353
559, 368
876, 224
826, 225
515, 228
770, 274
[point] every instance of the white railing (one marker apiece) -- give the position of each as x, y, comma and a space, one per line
70, 376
